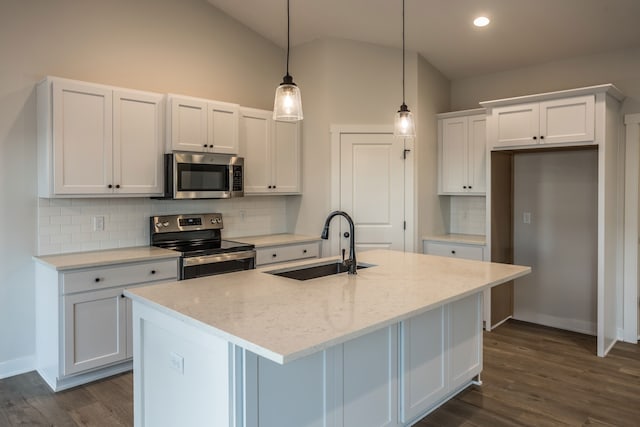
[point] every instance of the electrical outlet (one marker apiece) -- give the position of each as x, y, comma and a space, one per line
98, 223
526, 217
176, 362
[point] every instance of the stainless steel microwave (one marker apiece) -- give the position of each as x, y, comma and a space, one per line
203, 176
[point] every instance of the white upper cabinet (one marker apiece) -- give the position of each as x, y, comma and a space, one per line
96, 140
462, 153
202, 125
566, 120
271, 151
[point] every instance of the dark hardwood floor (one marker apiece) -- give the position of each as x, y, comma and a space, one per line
533, 376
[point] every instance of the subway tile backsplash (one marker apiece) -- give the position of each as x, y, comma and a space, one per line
468, 215
67, 225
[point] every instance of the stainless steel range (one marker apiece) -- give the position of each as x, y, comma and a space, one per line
198, 238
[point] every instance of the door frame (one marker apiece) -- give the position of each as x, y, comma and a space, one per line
631, 228
409, 185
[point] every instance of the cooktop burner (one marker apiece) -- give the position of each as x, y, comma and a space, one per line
195, 248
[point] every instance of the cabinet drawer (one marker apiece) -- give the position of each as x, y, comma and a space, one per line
130, 274
275, 254
454, 250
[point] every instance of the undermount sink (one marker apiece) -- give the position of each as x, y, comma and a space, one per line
313, 271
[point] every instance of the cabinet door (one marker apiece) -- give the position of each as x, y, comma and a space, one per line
137, 143
189, 124
255, 136
477, 147
369, 386
424, 363
223, 127
570, 120
465, 339
286, 157
454, 158
82, 138
292, 394
515, 125
94, 330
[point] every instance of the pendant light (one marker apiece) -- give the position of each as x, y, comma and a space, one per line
404, 125
288, 103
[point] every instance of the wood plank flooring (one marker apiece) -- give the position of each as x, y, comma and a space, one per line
533, 376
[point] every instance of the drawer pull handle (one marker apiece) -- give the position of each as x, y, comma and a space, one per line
122, 296
274, 255
453, 252
153, 272
97, 279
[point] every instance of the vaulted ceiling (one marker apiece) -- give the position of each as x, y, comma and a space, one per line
521, 33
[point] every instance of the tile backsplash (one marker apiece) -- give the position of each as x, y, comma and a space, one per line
67, 225
468, 215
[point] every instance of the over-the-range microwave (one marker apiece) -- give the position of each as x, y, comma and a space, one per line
203, 176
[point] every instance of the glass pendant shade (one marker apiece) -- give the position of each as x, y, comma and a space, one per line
404, 125
287, 105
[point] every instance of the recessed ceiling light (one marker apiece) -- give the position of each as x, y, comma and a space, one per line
481, 21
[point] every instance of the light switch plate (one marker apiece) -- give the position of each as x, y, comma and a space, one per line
526, 217
176, 362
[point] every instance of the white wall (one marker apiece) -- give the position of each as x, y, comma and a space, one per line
353, 83
560, 191
621, 68
185, 47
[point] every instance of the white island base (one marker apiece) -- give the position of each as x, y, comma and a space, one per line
186, 376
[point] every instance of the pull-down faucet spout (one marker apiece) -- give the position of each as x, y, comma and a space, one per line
351, 262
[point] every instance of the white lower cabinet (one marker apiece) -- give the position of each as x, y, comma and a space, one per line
454, 250
83, 320
94, 330
285, 253
390, 377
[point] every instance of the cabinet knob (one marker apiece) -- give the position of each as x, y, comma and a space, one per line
541, 136
470, 187
535, 137
122, 296
464, 187
268, 186
153, 272
205, 145
453, 252
97, 279
109, 186
304, 251
274, 186
346, 234
117, 185
274, 255
210, 145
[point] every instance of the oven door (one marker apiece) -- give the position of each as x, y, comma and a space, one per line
209, 265
206, 176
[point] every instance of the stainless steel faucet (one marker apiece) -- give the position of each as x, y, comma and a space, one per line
351, 262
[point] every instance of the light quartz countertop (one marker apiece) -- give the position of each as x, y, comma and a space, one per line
275, 239
468, 239
77, 260
285, 319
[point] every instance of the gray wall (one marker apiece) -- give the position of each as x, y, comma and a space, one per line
560, 191
185, 47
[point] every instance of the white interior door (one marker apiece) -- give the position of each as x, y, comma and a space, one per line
372, 189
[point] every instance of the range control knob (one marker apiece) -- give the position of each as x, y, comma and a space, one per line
158, 225
165, 224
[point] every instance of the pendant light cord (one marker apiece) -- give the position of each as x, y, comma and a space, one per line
403, 103
288, 35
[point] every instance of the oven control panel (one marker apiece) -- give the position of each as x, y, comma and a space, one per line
174, 223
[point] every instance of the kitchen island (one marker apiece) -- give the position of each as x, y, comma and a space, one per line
381, 348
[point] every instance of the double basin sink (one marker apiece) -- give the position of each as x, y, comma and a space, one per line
313, 271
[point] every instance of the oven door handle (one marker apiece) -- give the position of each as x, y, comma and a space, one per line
209, 259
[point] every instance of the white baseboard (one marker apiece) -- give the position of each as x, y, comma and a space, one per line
19, 366
574, 325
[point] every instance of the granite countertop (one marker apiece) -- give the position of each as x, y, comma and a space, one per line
275, 239
284, 319
469, 239
76, 260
